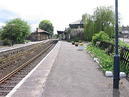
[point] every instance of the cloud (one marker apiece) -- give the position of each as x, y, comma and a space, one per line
6, 15
59, 12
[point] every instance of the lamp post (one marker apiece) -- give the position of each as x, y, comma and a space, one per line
116, 56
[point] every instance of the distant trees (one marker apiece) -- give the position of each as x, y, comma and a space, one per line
88, 26
0, 33
103, 19
15, 31
46, 25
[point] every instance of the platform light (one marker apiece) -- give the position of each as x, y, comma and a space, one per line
116, 77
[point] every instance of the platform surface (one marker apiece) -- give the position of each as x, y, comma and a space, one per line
75, 74
6, 48
68, 72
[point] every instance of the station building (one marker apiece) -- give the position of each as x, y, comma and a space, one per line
75, 30
61, 35
39, 35
125, 31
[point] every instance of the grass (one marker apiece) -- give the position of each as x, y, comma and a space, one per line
123, 44
106, 61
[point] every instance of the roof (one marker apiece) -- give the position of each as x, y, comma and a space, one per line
77, 22
125, 28
38, 30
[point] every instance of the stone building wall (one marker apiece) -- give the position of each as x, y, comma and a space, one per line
77, 33
38, 36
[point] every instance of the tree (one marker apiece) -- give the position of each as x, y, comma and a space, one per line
15, 30
46, 25
104, 19
0, 33
88, 26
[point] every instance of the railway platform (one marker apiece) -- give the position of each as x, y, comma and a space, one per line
68, 72
16, 46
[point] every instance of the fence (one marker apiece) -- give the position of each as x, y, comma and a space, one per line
124, 59
124, 54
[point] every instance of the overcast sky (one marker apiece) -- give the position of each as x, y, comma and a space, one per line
59, 12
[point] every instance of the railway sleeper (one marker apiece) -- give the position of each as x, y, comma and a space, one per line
6, 88
3, 94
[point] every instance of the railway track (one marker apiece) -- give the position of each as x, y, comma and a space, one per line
20, 65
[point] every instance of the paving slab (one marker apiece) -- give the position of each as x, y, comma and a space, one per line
75, 74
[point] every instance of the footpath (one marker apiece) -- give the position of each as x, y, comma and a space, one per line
75, 74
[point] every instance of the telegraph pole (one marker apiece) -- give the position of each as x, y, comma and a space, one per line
116, 77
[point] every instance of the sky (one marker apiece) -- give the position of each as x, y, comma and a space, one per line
60, 12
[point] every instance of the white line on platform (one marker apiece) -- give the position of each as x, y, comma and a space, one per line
28, 75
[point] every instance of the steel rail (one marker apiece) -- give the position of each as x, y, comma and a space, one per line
12, 58
23, 65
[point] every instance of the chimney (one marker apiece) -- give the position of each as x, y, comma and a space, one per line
37, 30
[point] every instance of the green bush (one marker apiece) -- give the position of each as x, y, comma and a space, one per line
101, 36
80, 41
15, 30
7, 42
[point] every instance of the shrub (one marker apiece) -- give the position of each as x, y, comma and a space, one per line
73, 42
101, 36
7, 42
76, 43
15, 30
80, 41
